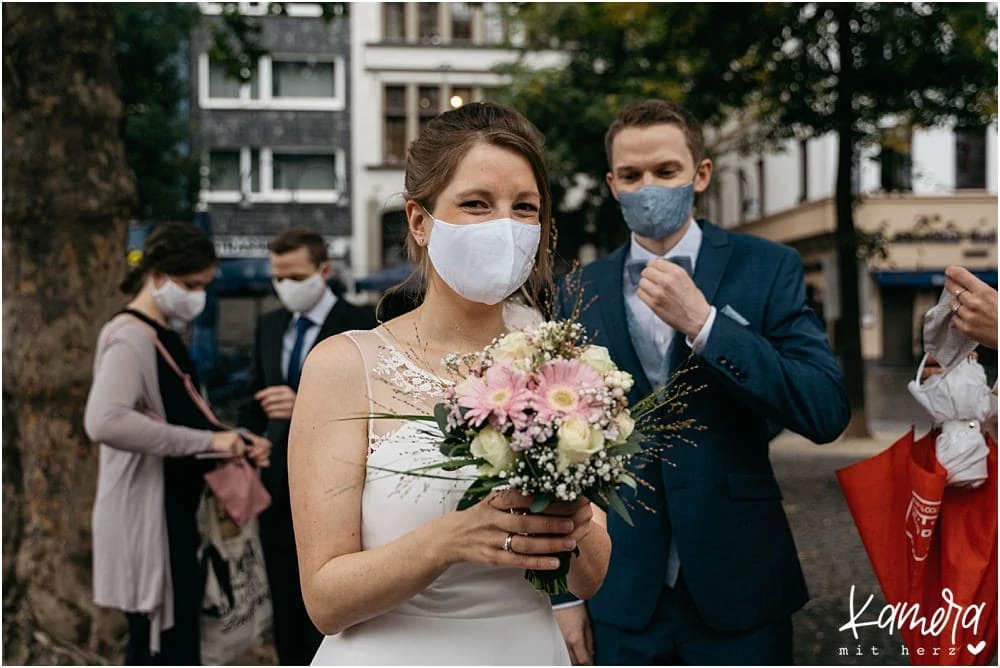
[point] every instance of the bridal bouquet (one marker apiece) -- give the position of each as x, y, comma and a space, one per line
545, 413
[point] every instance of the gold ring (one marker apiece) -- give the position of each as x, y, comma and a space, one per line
506, 544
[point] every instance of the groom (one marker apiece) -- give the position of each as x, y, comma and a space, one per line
709, 574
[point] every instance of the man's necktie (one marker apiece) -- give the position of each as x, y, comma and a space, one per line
635, 267
302, 325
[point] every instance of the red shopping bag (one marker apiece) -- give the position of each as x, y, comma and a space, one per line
933, 549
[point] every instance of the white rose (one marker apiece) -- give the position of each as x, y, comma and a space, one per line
598, 359
491, 445
625, 424
513, 346
576, 443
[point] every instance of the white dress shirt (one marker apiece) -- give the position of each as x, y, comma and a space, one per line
690, 245
317, 314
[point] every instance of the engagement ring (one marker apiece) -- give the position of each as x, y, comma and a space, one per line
959, 292
506, 544
955, 307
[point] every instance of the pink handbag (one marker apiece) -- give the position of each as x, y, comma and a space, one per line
238, 490
235, 484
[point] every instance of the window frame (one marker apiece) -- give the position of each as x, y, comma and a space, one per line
963, 135
265, 82
264, 169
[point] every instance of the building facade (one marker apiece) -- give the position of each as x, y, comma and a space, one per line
411, 61
927, 197
275, 151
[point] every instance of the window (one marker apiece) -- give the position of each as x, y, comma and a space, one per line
268, 175
409, 108
461, 22
224, 170
428, 29
493, 23
295, 172
394, 21
897, 170
394, 142
895, 160
459, 96
278, 82
302, 79
429, 105
223, 86
970, 158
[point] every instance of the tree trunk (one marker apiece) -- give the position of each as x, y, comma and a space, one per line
67, 198
849, 331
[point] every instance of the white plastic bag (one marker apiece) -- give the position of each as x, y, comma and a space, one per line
236, 605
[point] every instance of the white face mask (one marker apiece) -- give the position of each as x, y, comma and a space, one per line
178, 303
484, 262
300, 296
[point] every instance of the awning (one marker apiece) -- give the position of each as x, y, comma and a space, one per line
384, 279
926, 279
243, 277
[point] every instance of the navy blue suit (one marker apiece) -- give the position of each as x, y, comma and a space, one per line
718, 499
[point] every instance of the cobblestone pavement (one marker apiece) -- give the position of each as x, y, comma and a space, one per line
832, 555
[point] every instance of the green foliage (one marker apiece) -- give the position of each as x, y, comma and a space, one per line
925, 64
236, 37
920, 64
618, 53
151, 56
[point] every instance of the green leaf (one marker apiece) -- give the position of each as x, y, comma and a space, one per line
540, 503
479, 490
460, 463
441, 415
616, 504
627, 480
452, 448
626, 448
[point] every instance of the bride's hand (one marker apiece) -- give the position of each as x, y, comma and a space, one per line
495, 532
580, 511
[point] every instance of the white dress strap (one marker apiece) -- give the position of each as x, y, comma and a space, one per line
368, 387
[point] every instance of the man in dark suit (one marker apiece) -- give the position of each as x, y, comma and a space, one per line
300, 269
709, 575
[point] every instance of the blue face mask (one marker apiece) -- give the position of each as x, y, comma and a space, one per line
655, 211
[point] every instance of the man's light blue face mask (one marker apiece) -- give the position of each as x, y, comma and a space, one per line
656, 212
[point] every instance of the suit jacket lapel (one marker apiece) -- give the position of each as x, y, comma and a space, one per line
334, 321
272, 345
712, 260
614, 323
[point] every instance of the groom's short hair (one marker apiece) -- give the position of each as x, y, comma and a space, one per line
658, 112
295, 238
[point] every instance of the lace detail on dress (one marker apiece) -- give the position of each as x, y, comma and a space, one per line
410, 388
396, 369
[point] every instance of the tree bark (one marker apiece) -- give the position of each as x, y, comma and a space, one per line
67, 199
849, 332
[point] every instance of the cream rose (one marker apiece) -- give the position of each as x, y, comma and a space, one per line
576, 443
626, 425
513, 346
597, 358
491, 445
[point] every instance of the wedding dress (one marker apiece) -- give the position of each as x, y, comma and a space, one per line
472, 614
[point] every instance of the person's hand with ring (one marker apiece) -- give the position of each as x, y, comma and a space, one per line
974, 306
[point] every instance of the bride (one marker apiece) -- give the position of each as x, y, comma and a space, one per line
391, 571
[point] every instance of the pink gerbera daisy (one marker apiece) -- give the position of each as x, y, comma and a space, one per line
501, 394
559, 391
